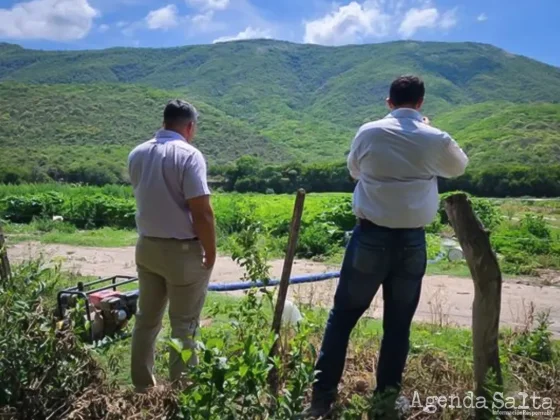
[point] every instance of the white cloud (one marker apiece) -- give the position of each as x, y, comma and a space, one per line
482, 17
359, 21
248, 33
203, 22
122, 23
208, 4
55, 20
348, 24
163, 18
416, 19
449, 19
103, 28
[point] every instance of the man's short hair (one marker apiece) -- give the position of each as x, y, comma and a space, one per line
407, 90
178, 111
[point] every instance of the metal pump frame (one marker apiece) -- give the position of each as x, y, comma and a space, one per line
83, 290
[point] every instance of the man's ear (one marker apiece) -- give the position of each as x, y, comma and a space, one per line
420, 103
389, 103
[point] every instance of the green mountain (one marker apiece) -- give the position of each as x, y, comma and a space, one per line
62, 110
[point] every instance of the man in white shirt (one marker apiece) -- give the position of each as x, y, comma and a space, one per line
396, 162
176, 248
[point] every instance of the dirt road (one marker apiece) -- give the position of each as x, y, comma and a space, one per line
444, 299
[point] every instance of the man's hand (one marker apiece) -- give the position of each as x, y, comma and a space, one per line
209, 261
205, 227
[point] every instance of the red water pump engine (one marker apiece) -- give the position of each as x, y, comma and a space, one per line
107, 309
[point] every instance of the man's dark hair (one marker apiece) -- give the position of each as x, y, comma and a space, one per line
407, 90
178, 111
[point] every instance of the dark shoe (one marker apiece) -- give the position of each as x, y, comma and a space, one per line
321, 407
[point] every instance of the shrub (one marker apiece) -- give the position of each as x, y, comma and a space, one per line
316, 239
340, 215
41, 368
536, 344
23, 208
433, 245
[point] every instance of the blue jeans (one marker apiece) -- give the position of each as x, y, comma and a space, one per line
375, 256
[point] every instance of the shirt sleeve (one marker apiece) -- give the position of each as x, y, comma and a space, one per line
452, 161
195, 182
353, 157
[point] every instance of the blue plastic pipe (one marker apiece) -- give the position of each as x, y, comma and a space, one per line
227, 287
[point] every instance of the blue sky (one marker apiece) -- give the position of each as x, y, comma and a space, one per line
524, 27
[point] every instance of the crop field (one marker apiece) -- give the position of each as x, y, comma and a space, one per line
525, 232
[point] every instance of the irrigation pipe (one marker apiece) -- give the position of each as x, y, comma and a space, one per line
312, 278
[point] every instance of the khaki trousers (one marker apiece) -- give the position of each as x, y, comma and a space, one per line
169, 270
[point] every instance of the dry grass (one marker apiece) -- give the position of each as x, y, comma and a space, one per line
115, 404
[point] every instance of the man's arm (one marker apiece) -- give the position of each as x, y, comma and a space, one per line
204, 226
197, 196
353, 160
452, 161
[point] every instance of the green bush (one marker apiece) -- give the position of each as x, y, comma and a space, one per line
536, 344
41, 369
433, 245
23, 208
340, 215
317, 239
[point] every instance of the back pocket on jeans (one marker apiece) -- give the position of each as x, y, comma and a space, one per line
368, 260
415, 260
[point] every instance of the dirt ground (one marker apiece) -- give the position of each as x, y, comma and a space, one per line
445, 299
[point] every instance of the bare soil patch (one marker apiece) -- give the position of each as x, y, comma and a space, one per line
445, 299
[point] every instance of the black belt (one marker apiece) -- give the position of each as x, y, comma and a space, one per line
174, 239
367, 224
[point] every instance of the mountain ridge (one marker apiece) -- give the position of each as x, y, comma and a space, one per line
276, 100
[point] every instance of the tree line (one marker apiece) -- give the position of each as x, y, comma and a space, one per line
250, 174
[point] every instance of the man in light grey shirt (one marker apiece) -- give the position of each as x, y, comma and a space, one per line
396, 162
176, 249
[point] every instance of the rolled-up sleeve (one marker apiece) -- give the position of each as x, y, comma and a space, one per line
452, 161
195, 183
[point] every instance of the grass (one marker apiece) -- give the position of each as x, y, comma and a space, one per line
104, 237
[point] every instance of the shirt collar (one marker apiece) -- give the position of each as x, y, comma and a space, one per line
406, 113
164, 135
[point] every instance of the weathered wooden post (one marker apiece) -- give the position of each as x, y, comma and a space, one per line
487, 277
5, 270
285, 281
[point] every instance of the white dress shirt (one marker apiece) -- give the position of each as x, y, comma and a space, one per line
396, 161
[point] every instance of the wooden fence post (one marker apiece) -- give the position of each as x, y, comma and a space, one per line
487, 277
5, 270
285, 281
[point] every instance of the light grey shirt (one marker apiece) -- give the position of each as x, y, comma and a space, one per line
396, 161
165, 172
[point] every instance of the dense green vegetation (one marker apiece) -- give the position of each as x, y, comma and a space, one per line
248, 174
525, 240
74, 116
